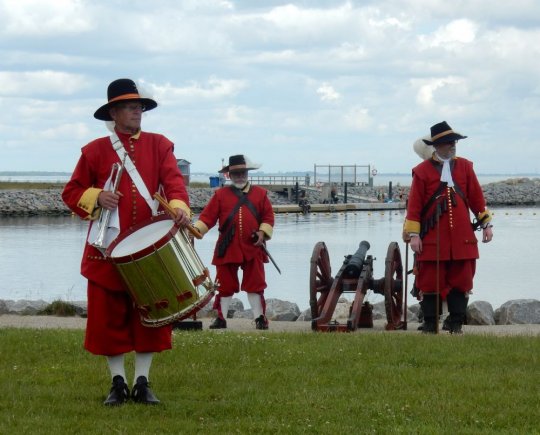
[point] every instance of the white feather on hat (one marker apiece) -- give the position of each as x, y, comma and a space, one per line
423, 150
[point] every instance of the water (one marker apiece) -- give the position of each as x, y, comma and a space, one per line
40, 256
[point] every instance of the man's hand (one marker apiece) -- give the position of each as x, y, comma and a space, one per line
108, 200
181, 218
416, 244
487, 234
258, 238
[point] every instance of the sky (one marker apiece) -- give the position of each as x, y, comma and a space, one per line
289, 84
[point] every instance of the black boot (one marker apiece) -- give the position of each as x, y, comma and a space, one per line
218, 323
429, 304
119, 393
456, 324
429, 326
457, 306
261, 322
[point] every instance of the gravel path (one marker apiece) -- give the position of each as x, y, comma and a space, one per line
246, 325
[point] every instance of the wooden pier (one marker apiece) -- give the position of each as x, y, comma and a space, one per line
286, 184
337, 208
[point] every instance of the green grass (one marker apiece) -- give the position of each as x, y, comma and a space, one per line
289, 383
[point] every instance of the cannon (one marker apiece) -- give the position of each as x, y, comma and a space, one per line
355, 276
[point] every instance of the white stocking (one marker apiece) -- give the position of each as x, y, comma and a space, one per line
225, 302
143, 361
116, 365
256, 304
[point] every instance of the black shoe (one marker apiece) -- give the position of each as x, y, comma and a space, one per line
141, 392
429, 327
456, 328
446, 324
455, 323
119, 392
261, 322
218, 323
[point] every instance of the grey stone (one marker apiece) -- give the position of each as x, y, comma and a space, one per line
480, 313
25, 307
519, 311
277, 309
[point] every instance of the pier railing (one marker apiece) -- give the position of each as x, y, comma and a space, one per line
282, 180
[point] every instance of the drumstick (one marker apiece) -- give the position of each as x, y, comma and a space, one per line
172, 212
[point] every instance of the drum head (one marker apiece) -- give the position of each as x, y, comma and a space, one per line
144, 237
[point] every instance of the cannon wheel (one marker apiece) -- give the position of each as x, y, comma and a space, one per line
393, 288
320, 279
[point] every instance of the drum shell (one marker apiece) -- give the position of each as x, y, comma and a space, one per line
166, 279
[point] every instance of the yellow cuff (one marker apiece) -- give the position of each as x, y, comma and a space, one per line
267, 230
88, 202
485, 216
411, 227
201, 226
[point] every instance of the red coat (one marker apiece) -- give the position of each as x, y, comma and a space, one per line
241, 248
456, 237
153, 156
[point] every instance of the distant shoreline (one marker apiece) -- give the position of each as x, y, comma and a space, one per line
45, 199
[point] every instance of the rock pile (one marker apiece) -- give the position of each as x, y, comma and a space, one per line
32, 202
514, 312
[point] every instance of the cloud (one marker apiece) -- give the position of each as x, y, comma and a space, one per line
328, 93
358, 118
236, 116
30, 18
427, 88
40, 83
316, 75
451, 36
214, 88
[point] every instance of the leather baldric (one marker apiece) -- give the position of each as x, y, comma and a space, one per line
227, 229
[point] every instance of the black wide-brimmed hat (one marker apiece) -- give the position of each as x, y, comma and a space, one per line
443, 133
239, 162
119, 91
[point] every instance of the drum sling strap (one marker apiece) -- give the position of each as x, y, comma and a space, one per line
429, 222
227, 229
133, 173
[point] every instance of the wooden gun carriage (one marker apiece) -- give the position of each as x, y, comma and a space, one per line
356, 276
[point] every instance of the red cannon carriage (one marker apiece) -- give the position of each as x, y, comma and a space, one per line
356, 276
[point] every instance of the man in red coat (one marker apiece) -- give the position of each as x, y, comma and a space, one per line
443, 190
113, 325
246, 221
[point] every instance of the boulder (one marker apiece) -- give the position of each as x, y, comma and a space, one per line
480, 313
305, 316
25, 307
519, 311
277, 309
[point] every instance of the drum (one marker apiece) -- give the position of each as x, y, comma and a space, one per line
162, 271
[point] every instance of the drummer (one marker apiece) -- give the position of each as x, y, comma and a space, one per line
113, 325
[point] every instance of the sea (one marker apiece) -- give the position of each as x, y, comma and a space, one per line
40, 256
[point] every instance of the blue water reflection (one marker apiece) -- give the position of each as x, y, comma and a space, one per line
40, 256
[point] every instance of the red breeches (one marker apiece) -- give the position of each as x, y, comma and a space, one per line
457, 274
114, 327
253, 278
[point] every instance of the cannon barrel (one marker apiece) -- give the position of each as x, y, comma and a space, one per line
356, 261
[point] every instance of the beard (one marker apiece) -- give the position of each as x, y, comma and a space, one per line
240, 185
